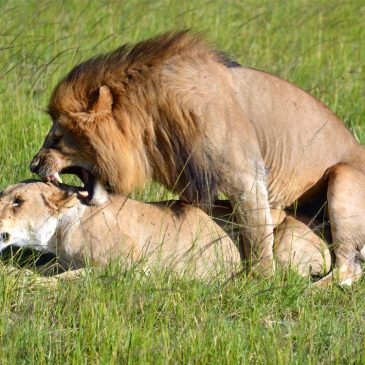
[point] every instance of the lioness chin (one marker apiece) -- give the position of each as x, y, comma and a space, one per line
167, 235
174, 110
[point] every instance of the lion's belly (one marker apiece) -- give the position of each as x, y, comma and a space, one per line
294, 168
285, 191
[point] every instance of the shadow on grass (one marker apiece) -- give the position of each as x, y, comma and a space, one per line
44, 263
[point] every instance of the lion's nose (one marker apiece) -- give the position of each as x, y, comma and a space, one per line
4, 236
34, 164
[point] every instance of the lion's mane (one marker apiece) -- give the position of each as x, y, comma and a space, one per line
154, 132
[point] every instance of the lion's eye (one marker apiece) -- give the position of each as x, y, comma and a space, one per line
17, 202
56, 140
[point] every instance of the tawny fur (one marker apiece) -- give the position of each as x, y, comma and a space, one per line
174, 110
166, 235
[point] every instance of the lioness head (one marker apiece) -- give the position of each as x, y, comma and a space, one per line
29, 213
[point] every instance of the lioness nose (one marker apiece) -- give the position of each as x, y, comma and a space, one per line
34, 164
4, 236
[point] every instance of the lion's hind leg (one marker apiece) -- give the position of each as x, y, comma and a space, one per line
346, 209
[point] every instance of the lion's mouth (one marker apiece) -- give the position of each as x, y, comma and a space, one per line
87, 178
93, 192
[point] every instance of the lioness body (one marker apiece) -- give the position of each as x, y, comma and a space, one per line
181, 238
175, 111
169, 235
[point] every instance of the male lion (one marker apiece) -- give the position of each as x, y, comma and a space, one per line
168, 235
174, 110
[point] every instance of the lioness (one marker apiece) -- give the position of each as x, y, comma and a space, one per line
174, 110
167, 235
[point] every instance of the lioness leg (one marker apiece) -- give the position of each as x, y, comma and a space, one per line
346, 208
253, 213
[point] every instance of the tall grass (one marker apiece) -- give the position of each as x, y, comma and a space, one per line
112, 316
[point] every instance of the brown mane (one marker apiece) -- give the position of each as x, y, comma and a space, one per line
157, 133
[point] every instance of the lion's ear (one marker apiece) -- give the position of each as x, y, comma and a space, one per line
104, 102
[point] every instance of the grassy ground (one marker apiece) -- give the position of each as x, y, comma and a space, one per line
117, 317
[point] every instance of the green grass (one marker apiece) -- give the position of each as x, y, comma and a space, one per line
117, 317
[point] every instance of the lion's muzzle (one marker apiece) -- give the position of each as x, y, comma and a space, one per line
47, 163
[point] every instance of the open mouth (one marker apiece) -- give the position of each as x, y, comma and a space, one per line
87, 178
93, 192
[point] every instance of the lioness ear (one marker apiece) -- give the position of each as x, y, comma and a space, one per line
104, 102
60, 200
68, 201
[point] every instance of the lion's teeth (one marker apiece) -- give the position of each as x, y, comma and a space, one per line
56, 177
83, 194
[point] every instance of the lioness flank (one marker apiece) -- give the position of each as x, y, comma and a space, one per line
175, 110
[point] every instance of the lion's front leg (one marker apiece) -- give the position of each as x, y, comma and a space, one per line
252, 210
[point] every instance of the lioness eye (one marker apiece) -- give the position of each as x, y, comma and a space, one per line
17, 202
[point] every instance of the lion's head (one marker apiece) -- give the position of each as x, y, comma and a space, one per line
122, 118
88, 144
